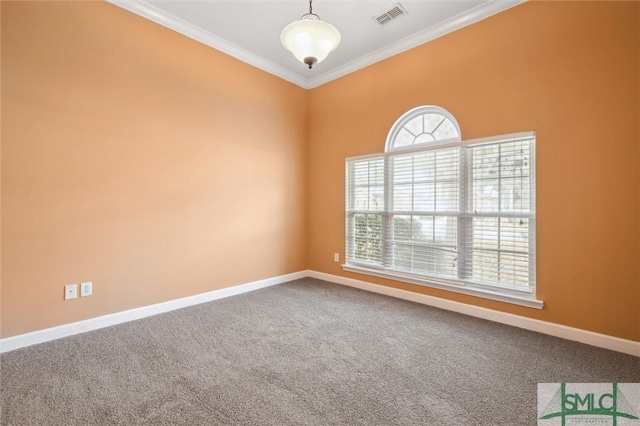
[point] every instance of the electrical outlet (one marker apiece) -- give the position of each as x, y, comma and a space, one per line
70, 291
86, 289
336, 257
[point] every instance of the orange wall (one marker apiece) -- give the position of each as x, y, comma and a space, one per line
159, 168
0, 173
567, 70
143, 161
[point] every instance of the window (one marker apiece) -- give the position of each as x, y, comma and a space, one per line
439, 211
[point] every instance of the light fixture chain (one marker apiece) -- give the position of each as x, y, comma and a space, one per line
310, 7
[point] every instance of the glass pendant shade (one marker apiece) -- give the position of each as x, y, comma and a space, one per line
310, 39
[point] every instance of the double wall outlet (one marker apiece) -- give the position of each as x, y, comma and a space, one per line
71, 290
336, 257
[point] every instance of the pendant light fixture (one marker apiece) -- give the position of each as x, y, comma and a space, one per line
310, 39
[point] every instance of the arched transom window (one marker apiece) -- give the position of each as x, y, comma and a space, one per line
422, 126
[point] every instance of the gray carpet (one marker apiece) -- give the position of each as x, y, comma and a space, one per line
301, 353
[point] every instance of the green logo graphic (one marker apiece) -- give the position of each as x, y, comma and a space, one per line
598, 405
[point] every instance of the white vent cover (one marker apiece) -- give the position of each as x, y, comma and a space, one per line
395, 12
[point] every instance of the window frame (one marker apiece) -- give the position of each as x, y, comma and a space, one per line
407, 117
465, 285
350, 225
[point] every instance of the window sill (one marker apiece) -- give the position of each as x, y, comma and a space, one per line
486, 293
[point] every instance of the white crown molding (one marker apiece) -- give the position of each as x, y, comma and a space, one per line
569, 333
146, 10
462, 20
65, 330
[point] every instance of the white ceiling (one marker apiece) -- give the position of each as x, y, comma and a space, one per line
250, 29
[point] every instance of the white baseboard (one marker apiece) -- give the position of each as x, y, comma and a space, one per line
41, 336
595, 339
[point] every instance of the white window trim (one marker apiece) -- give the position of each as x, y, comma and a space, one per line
522, 297
463, 288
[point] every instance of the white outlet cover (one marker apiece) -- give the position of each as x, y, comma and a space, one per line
70, 291
86, 289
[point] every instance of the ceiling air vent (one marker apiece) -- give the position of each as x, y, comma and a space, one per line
395, 12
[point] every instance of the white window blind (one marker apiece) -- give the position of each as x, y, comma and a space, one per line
454, 214
424, 191
365, 206
501, 214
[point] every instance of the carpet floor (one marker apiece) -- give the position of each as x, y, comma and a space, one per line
302, 353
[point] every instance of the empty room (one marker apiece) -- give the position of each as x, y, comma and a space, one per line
318, 212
